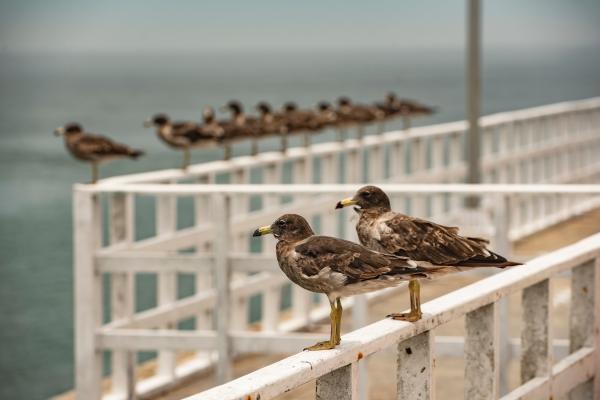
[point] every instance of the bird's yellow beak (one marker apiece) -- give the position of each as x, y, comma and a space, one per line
59, 131
345, 203
263, 230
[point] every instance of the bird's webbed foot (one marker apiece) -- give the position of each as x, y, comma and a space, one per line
409, 317
326, 345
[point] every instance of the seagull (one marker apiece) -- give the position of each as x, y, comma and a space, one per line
381, 229
272, 123
403, 107
177, 135
93, 148
335, 267
350, 113
242, 125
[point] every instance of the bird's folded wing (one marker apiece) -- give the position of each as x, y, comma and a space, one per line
100, 145
426, 241
353, 260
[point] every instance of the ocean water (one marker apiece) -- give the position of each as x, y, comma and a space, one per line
113, 93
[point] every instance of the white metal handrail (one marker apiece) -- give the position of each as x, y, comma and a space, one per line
335, 370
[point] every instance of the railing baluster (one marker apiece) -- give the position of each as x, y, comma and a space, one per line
240, 242
166, 223
584, 305
536, 338
481, 353
222, 269
122, 288
339, 384
415, 368
88, 295
271, 299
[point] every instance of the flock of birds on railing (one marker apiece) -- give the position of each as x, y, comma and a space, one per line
211, 131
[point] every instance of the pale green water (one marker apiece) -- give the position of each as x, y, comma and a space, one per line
113, 94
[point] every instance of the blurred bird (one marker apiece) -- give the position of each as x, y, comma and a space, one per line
272, 123
350, 113
241, 125
436, 247
93, 148
178, 135
299, 120
393, 106
335, 267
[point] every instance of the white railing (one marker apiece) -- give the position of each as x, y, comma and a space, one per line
335, 371
515, 150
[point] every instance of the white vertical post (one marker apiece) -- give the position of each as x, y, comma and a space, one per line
339, 384
222, 271
582, 327
239, 243
271, 299
301, 299
397, 170
204, 280
88, 295
481, 354
536, 338
329, 172
166, 223
415, 368
122, 290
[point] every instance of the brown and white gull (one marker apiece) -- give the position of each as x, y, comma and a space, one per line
440, 247
93, 148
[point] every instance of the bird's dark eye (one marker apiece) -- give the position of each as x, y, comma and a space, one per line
366, 194
281, 222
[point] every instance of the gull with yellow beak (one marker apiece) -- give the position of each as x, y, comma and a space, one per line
335, 267
381, 229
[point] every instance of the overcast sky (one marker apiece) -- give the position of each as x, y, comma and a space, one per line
193, 25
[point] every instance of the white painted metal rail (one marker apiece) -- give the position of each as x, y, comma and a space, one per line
335, 370
553, 145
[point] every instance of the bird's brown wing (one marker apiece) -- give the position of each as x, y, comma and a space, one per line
353, 260
423, 240
101, 146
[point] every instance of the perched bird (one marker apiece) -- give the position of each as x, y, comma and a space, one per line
299, 120
335, 267
93, 148
350, 113
272, 123
381, 229
393, 106
241, 125
178, 135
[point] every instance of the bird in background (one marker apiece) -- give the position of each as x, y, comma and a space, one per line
336, 267
438, 248
176, 135
93, 148
272, 123
241, 125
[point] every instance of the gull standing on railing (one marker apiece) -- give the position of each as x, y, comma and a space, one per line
381, 229
336, 267
93, 148
178, 135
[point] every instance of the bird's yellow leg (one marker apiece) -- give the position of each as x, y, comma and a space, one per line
94, 172
415, 313
329, 344
338, 324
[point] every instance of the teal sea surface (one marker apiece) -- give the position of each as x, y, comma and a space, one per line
113, 93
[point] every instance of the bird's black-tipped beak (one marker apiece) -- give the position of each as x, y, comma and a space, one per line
263, 230
345, 203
